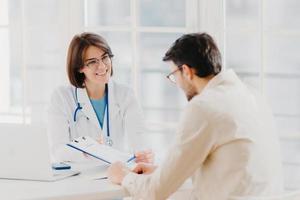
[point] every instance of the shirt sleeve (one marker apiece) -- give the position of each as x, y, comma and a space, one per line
194, 141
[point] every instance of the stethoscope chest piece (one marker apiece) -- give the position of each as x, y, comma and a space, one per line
109, 141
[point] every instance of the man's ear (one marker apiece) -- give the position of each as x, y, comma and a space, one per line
187, 71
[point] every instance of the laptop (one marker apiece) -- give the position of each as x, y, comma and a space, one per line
24, 154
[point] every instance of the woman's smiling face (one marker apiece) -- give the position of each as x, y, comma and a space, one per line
97, 66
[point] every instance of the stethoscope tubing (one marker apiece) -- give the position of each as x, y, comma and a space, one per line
79, 107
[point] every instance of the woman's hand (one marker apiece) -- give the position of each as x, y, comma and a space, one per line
144, 156
100, 140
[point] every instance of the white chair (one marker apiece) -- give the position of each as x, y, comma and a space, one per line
288, 196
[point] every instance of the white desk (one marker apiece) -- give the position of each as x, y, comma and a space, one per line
80, 187
75, 188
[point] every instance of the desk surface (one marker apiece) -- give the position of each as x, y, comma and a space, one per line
76, 187
84, 186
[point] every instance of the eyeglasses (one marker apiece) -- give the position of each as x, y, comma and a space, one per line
94, 63
171, 76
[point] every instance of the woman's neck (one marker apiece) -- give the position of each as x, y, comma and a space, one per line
95, 91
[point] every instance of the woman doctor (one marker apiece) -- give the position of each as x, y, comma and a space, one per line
93, 105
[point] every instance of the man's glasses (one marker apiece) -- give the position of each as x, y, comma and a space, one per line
94, 63
171, 76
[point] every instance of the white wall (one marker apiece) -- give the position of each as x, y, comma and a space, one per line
40, 32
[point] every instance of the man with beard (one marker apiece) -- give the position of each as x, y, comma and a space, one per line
226, 141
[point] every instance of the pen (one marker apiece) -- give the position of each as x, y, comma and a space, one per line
130, 159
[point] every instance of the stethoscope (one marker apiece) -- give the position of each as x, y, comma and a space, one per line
108, 140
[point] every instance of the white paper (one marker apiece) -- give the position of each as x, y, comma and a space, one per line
101, 151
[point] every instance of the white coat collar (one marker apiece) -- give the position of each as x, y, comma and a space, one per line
87, 107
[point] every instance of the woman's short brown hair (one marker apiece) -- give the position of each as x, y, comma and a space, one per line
76, 51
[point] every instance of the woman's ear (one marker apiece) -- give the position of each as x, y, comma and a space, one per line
80, 70
187, 71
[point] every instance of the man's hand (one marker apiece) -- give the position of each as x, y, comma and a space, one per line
144, 156
144, 168
116, 172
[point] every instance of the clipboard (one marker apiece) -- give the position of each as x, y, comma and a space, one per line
101, 152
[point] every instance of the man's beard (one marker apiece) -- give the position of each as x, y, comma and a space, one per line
190, 91
191, 95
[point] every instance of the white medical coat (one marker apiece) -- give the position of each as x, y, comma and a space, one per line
125, 119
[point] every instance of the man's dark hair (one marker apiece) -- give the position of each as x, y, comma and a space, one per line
198, 51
